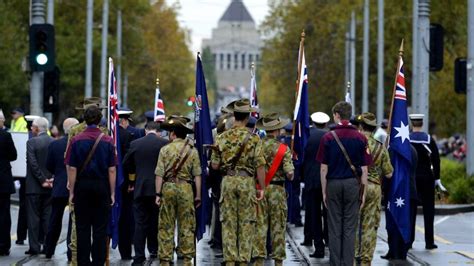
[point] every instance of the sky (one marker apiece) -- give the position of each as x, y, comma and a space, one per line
201, 16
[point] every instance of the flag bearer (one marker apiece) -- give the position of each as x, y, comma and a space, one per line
279, 166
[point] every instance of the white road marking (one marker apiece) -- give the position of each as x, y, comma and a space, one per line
441, 220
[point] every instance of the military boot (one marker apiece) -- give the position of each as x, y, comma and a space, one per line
278, 263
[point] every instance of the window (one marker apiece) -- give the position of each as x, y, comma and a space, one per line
229, 57
221, 61
243, 61
256, 58
236, 61
250, 60
214, 60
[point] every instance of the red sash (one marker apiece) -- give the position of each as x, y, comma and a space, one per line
275, 164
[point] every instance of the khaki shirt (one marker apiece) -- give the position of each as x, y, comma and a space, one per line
270, 148
168, 156
382, 165
228, 145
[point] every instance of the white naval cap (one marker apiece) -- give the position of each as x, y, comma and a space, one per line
416, 116
124, 112
31, 117
320, 118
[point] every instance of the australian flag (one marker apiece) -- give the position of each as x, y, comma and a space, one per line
301, 113
203, 135
159, 106
113, 126
398, 205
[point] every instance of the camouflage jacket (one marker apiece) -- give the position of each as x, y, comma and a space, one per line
270, 148
228, 145
382, 165
168, 156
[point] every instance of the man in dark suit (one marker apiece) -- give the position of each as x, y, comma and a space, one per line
38, 184
60, 194
315, 210
7, 154
141, 160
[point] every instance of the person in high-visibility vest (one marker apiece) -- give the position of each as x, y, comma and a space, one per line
18, 121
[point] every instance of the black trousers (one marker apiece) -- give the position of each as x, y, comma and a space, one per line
5, 222
315, 222
426, 194
22, 226
294, 204
55, 225
126, 224
145, 212
38, 208
92, 210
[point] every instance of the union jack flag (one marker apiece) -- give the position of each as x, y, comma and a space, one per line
159, 106
400, 91
113, 126
253, 92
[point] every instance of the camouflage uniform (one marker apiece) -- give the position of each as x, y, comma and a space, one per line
370, 213
276, 208
238, 196
76, 130
177, 202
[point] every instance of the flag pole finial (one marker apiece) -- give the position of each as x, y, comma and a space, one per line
157, 81
303, 34
400, 52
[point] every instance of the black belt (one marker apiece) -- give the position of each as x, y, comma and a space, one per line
278, 183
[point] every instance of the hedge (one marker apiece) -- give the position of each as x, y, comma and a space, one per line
459, 186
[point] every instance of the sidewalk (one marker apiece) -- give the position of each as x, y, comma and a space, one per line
454, 236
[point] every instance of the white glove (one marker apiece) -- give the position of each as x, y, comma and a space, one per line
438, 184
17, 184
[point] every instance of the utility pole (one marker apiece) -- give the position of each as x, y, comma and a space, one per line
414, 76
353, 61
424, 60
347, 60
103, 56
36, 87
50, 20
119, 55
365, 60
380, 63
125, 90
470, 89
90, 14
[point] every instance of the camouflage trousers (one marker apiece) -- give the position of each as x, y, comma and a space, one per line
271, 215
369, 222
177, 204
238, 211
73, 244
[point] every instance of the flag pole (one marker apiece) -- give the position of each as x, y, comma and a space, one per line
400, 55
111, 62
300, 62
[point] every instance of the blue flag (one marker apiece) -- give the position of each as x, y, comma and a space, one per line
301, 115
113, 126
203, 135
398, 205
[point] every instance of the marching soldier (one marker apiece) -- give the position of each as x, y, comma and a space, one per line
279, 166
178, 163
381, 166
239, 157
427, 174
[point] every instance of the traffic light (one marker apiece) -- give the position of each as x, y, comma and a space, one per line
436, 47
42, 47
460, 75
191, 101
51, 90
